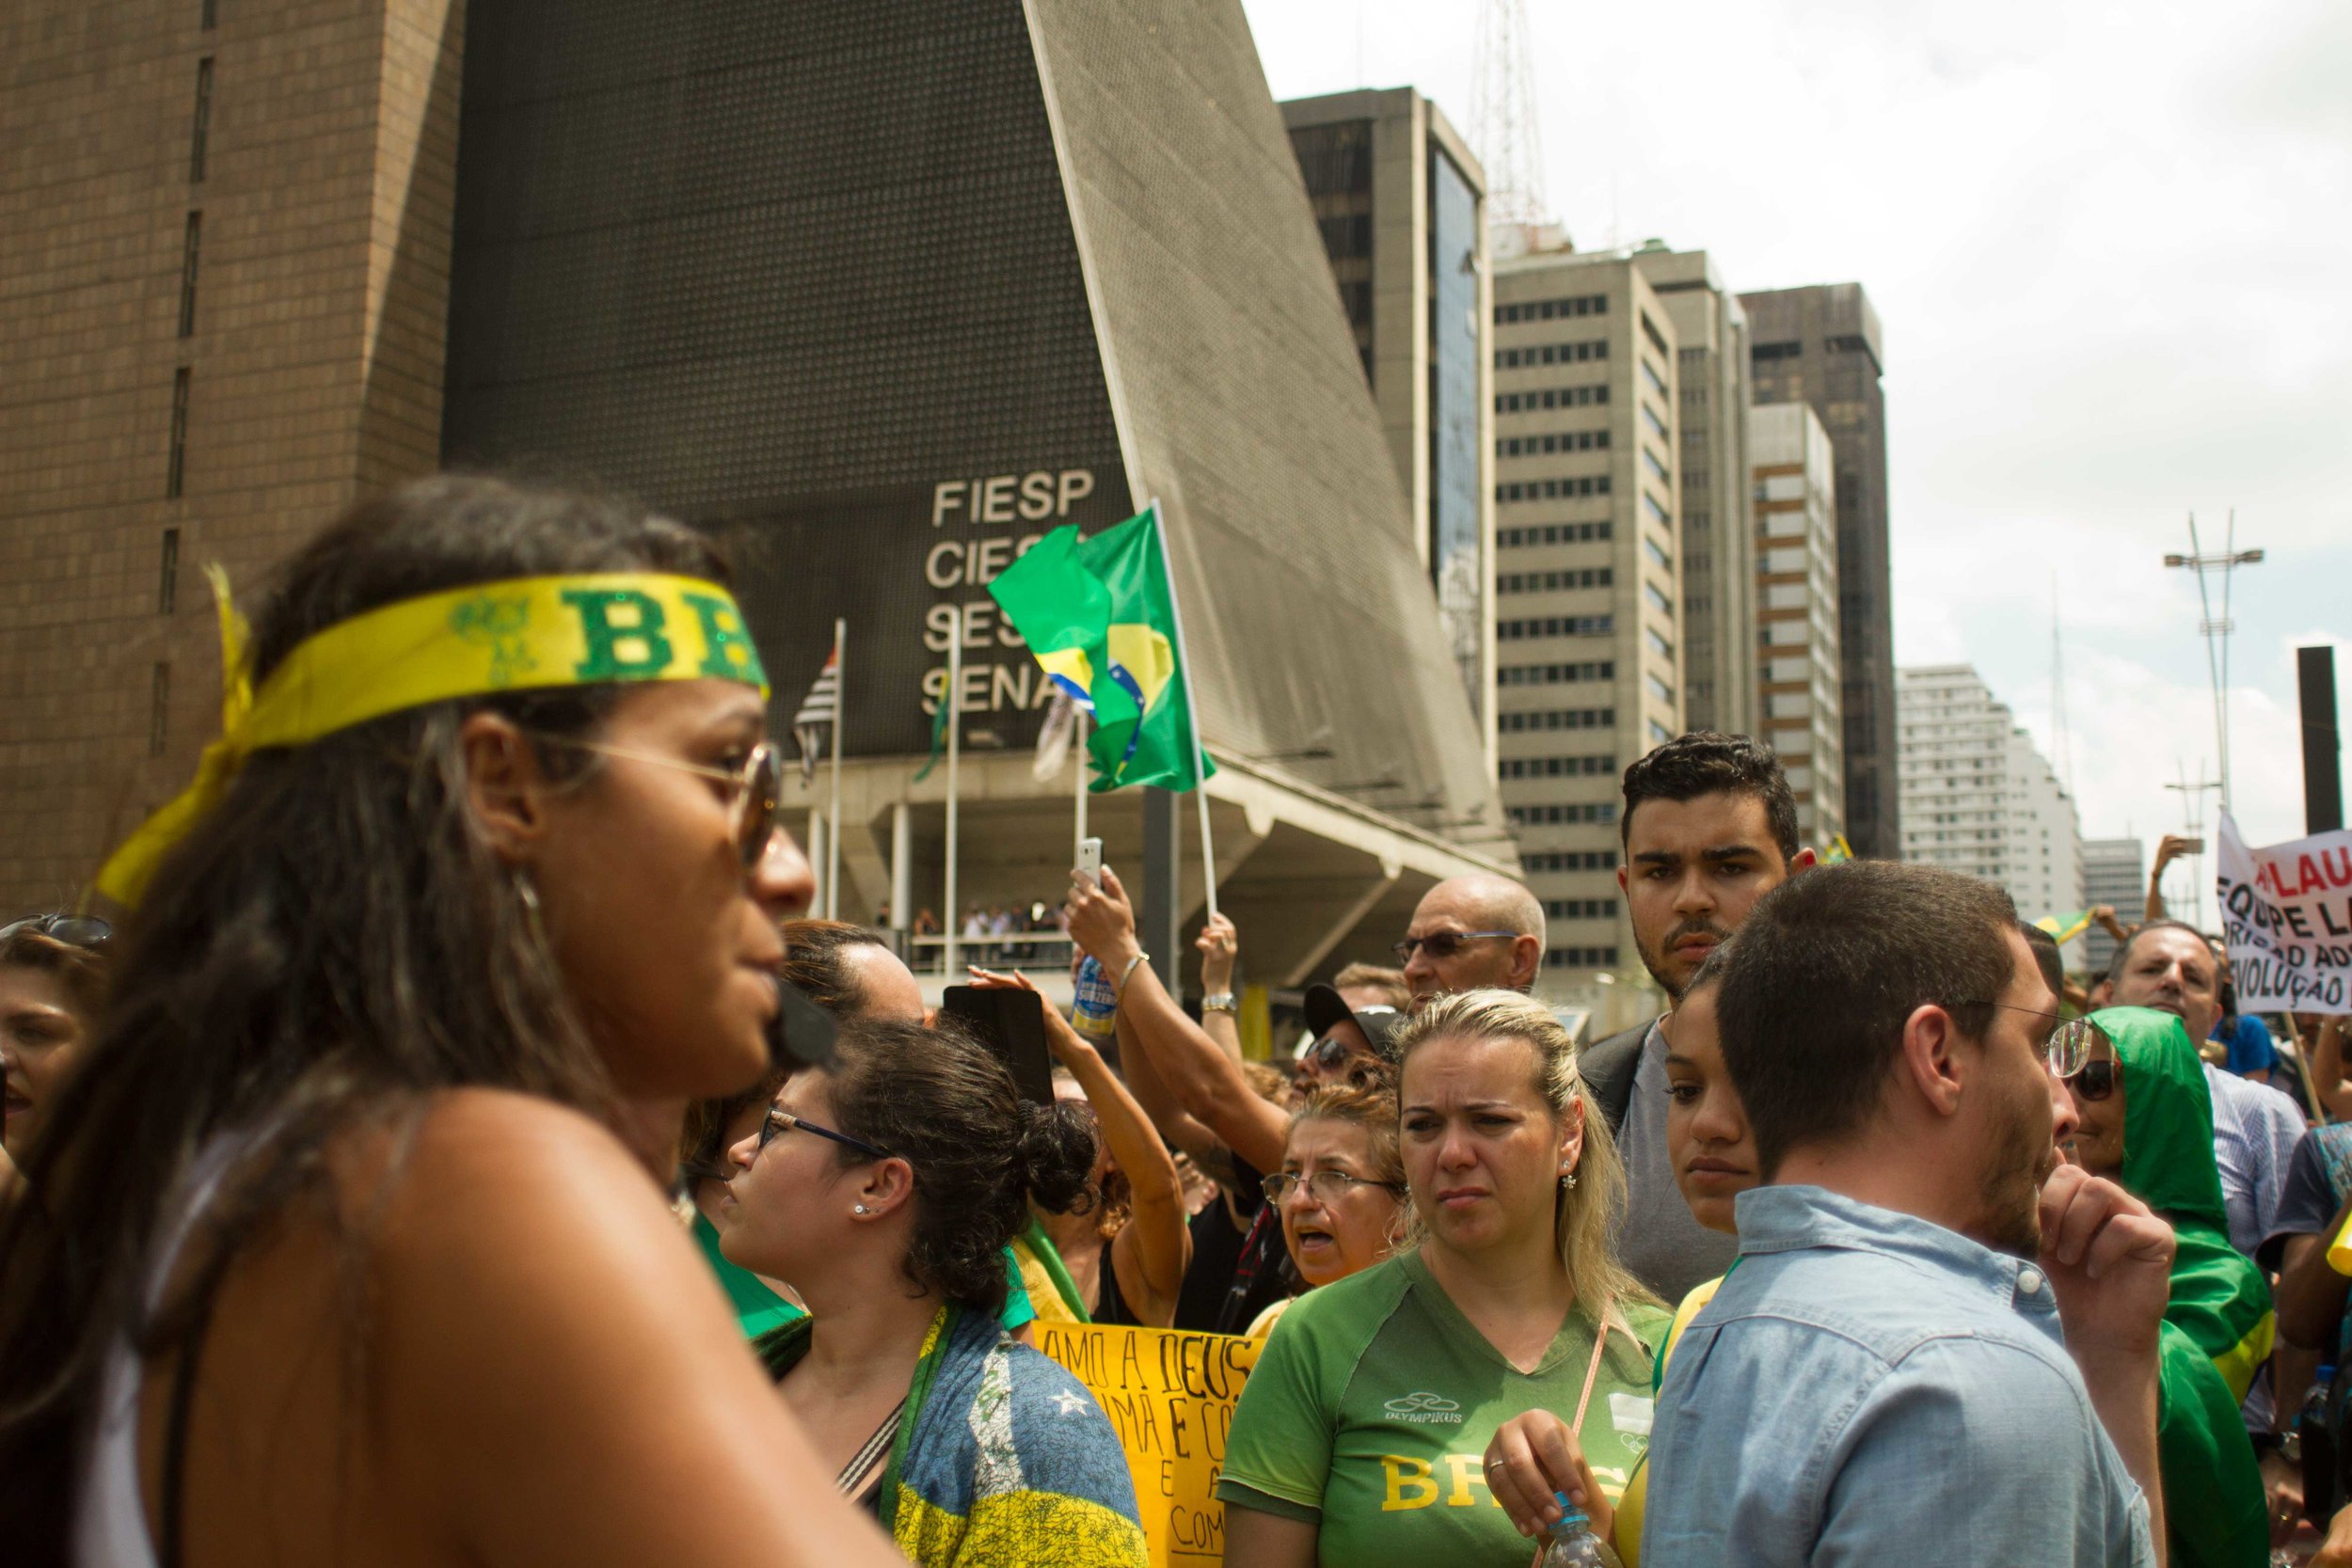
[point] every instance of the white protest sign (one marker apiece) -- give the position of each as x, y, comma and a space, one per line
2286, 912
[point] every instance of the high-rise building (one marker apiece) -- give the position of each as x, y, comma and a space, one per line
1820, 345
1978, 798
2115, 871
1588, 581
1719, 656
867, 288
1400, 201
222, 296
1795, 501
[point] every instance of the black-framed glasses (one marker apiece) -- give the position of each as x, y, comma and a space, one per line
74, 930
2068, 1045
756, 788
1442, 944
1325, 1186
784, 1121
2094, 1080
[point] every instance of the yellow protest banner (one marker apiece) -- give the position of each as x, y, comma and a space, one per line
1170, 1394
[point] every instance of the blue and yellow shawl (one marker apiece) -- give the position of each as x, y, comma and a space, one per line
1003, 1460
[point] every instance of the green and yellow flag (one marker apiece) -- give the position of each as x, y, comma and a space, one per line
1099, 617
2064, 929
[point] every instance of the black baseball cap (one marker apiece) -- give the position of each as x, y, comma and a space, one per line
1325, 1008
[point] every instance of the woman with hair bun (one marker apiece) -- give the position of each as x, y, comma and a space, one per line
885, 1188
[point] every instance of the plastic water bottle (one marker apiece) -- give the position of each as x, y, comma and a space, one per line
1571, 1543
1098, 1003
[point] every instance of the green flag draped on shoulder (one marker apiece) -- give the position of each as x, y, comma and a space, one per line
1099, 617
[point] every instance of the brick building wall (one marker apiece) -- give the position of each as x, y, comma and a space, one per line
224, 243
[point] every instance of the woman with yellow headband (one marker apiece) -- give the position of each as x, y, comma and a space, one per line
355, 1247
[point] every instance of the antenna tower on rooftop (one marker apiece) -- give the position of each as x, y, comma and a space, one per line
1503, 114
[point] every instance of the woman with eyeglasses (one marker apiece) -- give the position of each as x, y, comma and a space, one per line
52, 983
1341, 1191
2146, 1123
851, 974
1361, 1433
885, 1187
360, 1249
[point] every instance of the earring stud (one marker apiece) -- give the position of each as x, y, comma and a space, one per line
858, 1209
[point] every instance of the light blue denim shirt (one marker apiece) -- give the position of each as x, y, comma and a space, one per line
1871, 1388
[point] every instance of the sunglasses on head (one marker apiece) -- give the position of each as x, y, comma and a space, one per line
2093, 1080
1441, 946
74, 930
756, 788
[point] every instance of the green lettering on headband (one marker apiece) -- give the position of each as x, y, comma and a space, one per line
628, 650
727, 651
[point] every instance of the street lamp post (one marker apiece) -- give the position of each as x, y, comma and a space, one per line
2217, 629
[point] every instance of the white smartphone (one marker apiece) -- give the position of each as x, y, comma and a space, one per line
1090, 860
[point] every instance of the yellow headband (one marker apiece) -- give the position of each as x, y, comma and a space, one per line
519, 635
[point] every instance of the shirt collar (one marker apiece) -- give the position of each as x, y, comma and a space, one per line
1795, 1218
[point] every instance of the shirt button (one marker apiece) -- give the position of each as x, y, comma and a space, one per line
2030, 1281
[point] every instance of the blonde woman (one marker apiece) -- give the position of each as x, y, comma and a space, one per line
1361, 1434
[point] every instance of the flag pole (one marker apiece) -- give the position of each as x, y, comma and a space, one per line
1192, 705
1078, 736
833, 839
953, 697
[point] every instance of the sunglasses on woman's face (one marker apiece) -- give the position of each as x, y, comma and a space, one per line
2095, 1081
755, 789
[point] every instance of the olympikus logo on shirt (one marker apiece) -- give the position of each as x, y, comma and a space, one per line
1423, 1410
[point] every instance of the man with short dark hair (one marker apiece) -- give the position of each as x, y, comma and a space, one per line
1708, 827
1883, 1376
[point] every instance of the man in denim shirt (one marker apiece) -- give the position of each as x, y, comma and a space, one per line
1882, 1378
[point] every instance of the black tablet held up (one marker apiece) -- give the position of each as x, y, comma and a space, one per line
1012, 1025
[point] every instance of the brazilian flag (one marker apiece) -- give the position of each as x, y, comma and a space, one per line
1099, 617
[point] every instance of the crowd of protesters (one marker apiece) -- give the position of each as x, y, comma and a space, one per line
363, 1200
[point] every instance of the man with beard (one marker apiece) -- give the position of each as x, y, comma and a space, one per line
1710, 826
1884, 1375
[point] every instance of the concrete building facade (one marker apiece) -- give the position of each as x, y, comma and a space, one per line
1399, 200
1822, 345
2115, 871
1719, 656
1978, 798
1589, 587
224, 257
1795, 501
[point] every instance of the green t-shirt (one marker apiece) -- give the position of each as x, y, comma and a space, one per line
1370, 1410
759, 1309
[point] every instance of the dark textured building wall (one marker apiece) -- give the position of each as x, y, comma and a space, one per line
1820, 345
814, 272
789, 270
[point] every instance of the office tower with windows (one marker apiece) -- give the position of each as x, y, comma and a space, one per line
1588, 580
1820, 345
2115, 871
1719, 656
1400, 201
1978, 795
1795, 501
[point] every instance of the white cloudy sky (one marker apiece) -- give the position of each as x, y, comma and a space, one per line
2111, 247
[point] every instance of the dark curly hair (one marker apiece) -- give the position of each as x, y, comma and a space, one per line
943, 1103
1705, 763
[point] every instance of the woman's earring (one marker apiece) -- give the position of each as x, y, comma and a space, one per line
1568, 1180
858, 1209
